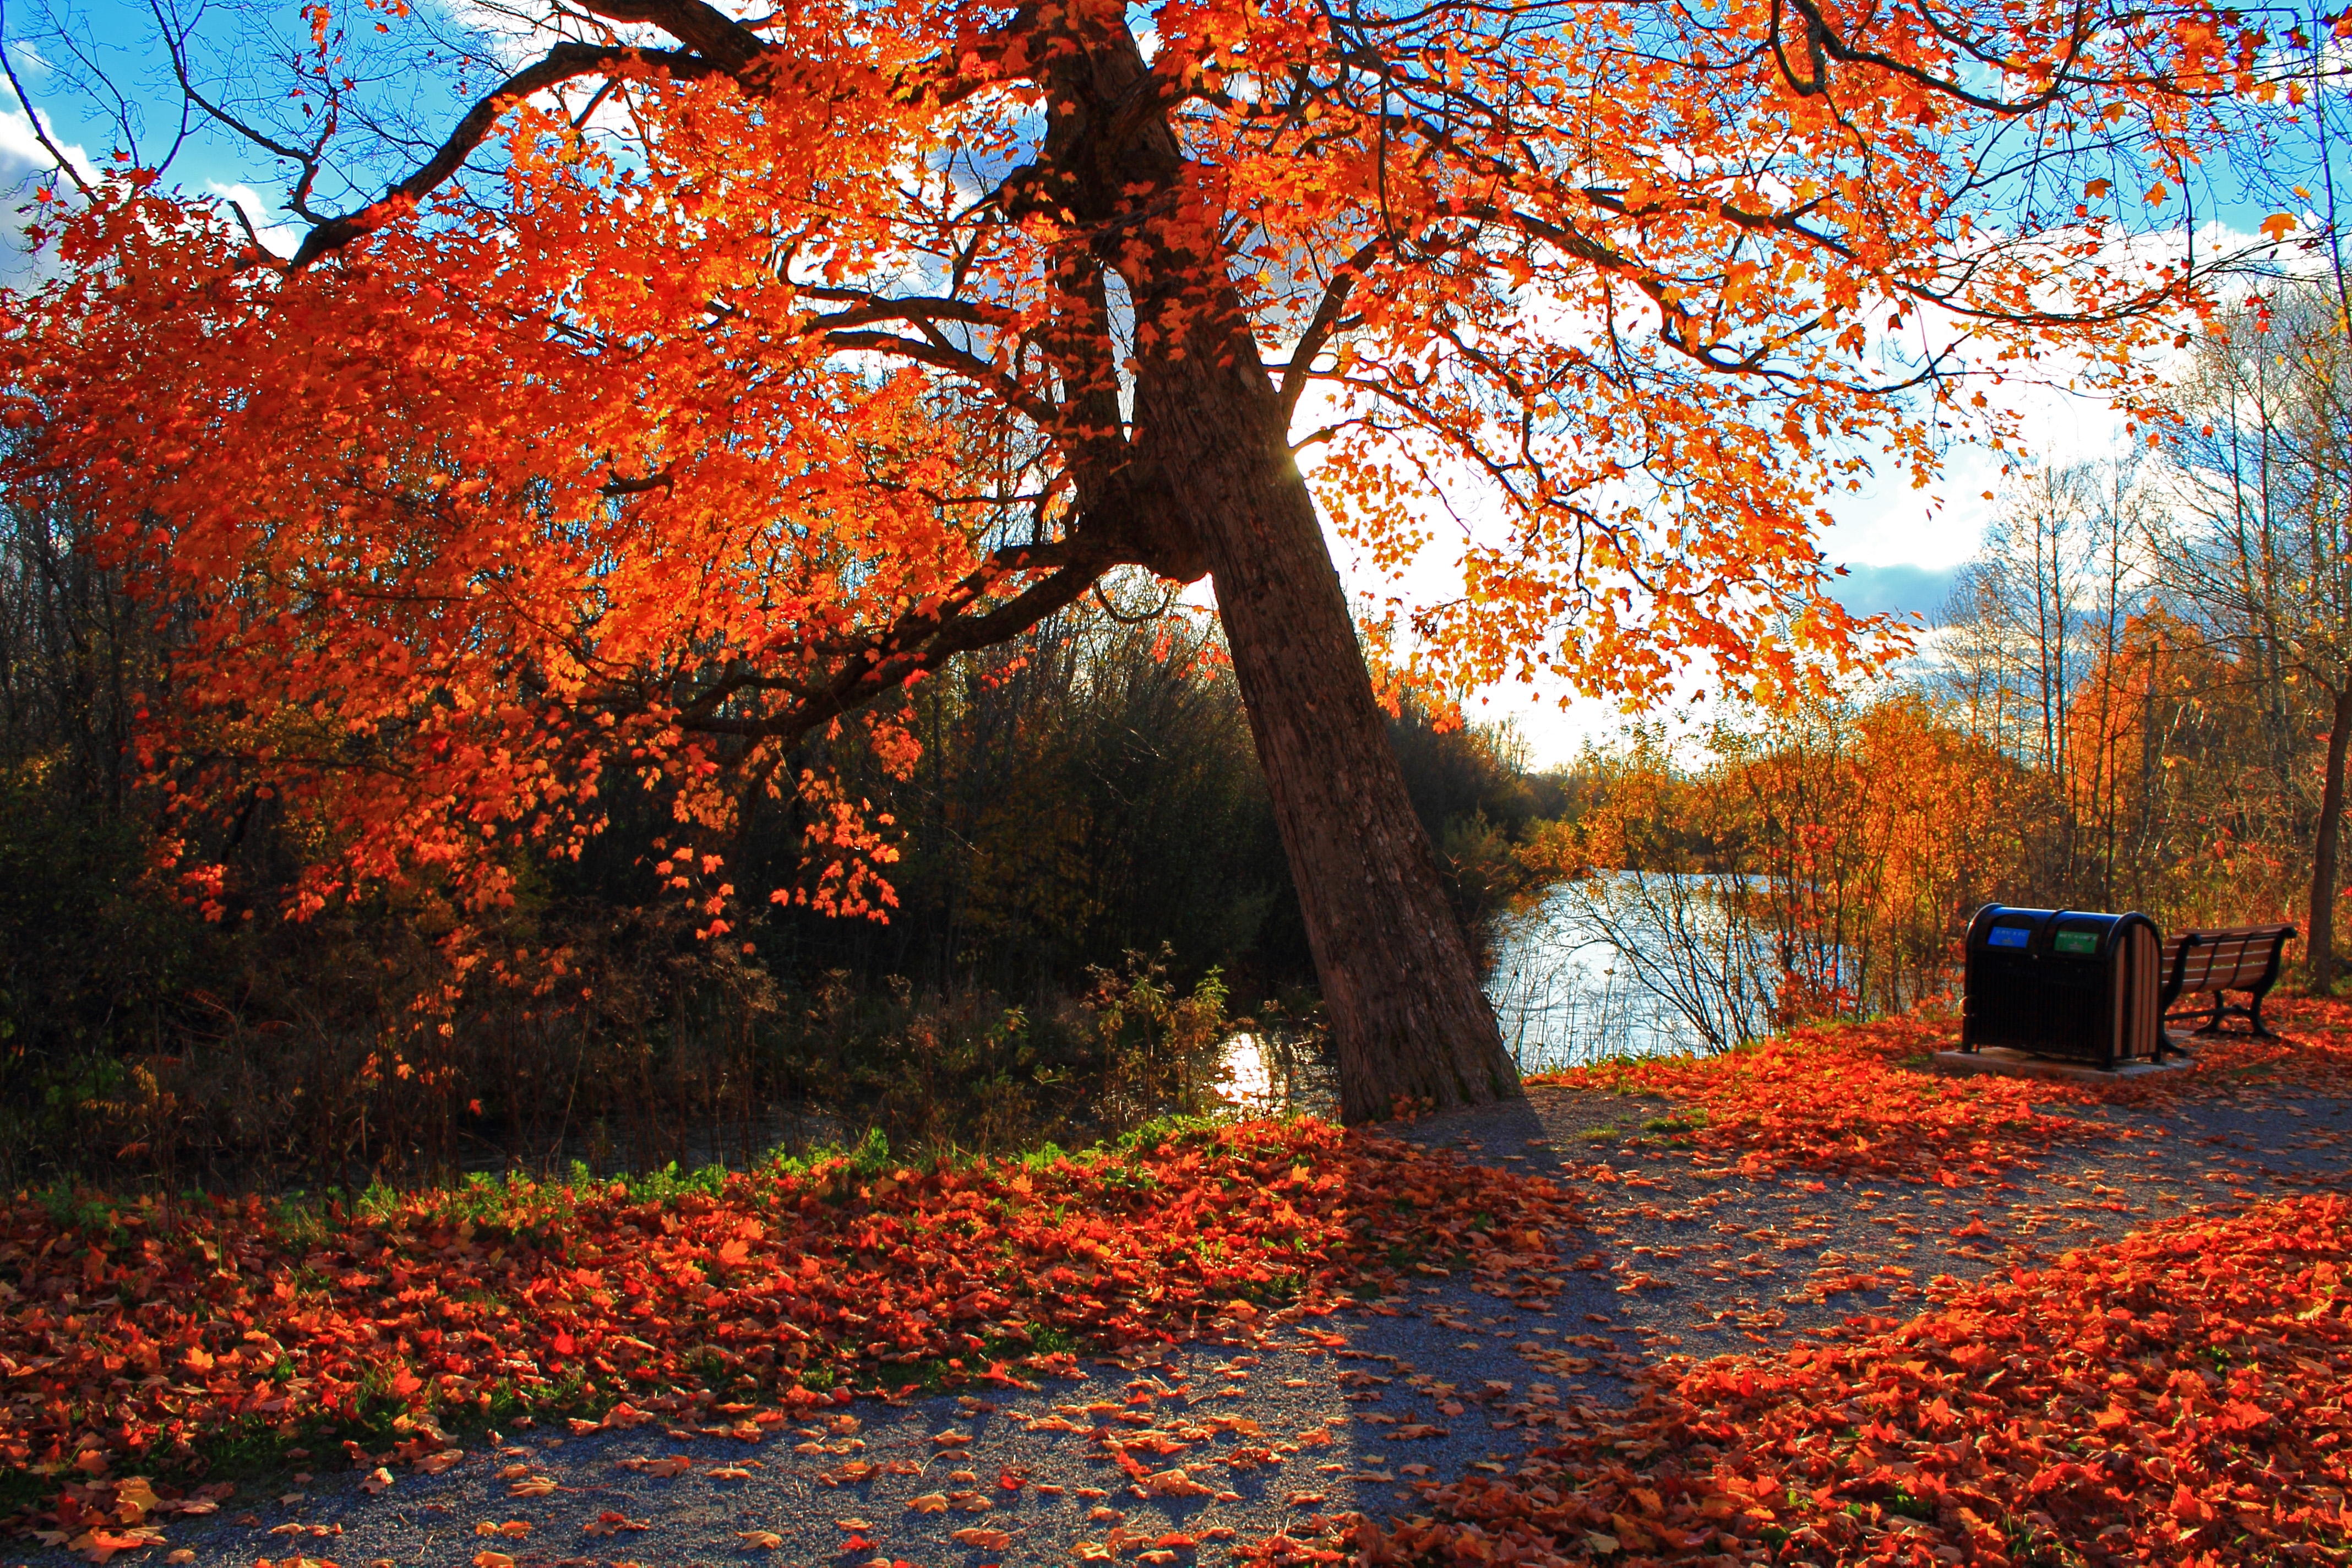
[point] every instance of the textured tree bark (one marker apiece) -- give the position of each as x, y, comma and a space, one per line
2319, 948
1409, 1020
1211, 440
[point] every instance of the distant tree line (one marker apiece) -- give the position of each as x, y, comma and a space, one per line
2140, 695
2165, 640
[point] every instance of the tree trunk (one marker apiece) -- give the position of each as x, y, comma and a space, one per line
1409, 1020
1208, 474
2319, 947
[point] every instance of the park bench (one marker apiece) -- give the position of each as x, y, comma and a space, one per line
2243, 958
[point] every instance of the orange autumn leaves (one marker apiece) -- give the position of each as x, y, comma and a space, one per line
1851, 1098
2317, 1053
188, 1319
1863, 1099
662, 426
2183, 1396
405, 618
2183, 1389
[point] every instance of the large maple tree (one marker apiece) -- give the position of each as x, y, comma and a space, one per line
719, 372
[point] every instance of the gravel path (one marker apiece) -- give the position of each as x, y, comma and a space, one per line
1232, 1441
1164, 1457
1709, 1261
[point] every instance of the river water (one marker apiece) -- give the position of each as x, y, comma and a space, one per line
1567, 993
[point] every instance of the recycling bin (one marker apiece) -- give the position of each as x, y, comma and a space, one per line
2063, 982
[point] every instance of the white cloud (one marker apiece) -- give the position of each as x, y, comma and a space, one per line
1904, 588
21, 153
1889, 524
23, 161
283, 238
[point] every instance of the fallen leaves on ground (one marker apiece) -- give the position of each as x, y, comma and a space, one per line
97, 1518
1864, 1099
2315, 1052
985, 1540
135, 1331
1857, 1098
610, 1523
2178, 1395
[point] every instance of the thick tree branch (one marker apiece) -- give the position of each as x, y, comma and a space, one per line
726, 45
1328, 313
862, 679
943, 356
1823, 44
561, 64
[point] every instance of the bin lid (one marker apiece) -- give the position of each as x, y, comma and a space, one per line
2065, 933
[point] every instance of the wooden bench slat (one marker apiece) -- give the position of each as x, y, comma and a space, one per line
2240, 958
2236, 961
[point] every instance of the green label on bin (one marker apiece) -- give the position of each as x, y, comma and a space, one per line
2078, 941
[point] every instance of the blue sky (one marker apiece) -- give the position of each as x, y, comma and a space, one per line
58, 47
76, 122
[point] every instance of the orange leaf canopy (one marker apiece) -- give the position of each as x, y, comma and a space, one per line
721, 375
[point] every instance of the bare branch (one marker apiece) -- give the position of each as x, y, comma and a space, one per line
32, 116
560, 63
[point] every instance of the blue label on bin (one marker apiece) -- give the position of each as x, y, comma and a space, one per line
2008, 936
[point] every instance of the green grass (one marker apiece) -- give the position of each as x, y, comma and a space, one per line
80, 1209
21, 1491
260, 1454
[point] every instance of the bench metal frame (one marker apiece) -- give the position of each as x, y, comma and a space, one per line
2257, 985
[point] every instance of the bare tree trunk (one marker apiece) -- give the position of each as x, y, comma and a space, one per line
1409, 1019
2319, 948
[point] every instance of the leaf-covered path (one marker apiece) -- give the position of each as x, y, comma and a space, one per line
1727, 1235
1726, 1211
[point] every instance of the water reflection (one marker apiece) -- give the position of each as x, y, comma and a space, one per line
1245, 1079
1275, 1074
1566, 992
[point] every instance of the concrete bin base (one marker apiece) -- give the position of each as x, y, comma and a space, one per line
2024, 1064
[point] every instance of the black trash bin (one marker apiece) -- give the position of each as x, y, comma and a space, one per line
2063, 982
